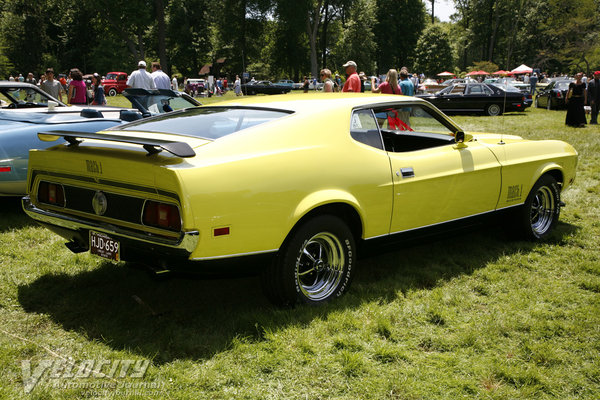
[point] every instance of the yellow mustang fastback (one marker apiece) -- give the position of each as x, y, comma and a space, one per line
297, 182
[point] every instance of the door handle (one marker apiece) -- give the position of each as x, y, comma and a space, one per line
406, 172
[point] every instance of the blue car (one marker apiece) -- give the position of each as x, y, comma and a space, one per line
19, 128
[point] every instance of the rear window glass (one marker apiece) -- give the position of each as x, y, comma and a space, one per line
206, 122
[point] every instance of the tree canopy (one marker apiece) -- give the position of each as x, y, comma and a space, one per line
289, 39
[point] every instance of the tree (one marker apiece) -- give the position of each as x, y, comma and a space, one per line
397, 29
358, 40
434, 52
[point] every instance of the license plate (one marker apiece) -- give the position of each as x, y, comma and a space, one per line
104, 246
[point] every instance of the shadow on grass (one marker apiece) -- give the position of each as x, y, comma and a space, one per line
12, 215
194, 319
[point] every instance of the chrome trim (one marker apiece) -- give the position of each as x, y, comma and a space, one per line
444, 222
252, 253
187, 240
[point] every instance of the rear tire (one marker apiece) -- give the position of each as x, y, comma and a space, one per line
538, 216
493, 110
314, 265
549, 105
112, 92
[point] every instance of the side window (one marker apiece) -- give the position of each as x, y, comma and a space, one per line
412, 127
476, 89
487, 90
364, 129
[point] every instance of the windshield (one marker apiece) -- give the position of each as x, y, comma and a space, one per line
23, 98
206, 122
111, 76
562, 85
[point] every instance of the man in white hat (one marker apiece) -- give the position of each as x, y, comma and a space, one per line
352, 79
141, 78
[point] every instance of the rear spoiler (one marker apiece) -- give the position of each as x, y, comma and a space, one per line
152, 146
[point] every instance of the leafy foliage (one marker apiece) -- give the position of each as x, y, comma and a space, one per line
434, 52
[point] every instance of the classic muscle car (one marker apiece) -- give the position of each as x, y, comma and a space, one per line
476, 98
294, 184
18, 130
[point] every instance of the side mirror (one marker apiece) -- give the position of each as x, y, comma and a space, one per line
459, 137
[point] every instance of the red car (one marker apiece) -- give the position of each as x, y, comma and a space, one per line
114, 83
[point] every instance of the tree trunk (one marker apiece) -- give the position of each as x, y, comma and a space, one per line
432, 7
324, 39
162, 49
312, 28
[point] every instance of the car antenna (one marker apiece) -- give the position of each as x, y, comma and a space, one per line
503, 113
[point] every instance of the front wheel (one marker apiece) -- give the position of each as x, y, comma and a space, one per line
540, 213
112, 92
549, 105
493, 110
314, 265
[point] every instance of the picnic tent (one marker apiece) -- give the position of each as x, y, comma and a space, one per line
522, 69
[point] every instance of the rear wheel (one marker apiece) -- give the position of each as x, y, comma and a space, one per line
112, 92
314, 265
493, 110
540, 213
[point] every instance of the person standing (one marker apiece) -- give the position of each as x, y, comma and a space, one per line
576, 98
237, 86
99, 98
51, 86
406, 85
161, 80
77, 91
533, 80
305, 85
327, 82
174, 84
390, 86
594, 97
141, 78
352, 83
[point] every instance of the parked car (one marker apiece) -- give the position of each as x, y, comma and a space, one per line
430, 86
114, 83
292, 185
510, 88
194, 87
553, 96
476, 98
265, 87
286, 82
19, 130
26, 97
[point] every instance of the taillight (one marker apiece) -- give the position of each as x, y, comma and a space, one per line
51, 193
161, 215
5, 169
558, 94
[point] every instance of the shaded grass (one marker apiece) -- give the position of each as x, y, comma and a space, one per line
470, 316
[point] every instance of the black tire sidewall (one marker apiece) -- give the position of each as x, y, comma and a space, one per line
525, 222
290, 255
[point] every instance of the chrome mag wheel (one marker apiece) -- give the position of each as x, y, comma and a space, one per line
543, 210
320, 266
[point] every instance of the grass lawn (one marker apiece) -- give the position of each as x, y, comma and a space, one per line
476, 316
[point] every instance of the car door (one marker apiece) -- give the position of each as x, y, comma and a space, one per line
453, 98
476, 97
435, 179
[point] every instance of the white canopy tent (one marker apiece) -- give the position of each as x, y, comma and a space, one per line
522, 69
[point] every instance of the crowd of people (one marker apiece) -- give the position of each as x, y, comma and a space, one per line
582, 91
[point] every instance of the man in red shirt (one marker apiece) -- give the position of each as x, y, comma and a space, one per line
353, 81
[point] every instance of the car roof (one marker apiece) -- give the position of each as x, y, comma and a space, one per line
16, 84
301, 102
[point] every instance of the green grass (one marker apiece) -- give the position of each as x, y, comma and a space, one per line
476, 316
